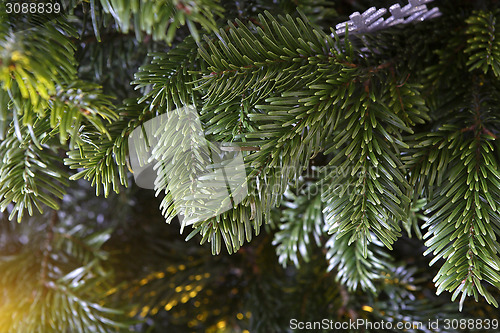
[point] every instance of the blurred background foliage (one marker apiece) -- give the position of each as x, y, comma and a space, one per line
116, 263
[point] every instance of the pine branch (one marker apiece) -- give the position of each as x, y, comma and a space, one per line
468, 196
301, 220
169, 16
25, 70
484, 41
78, 102
37, 85
29, 173
167, 83
103, 160
367, 185
233, 226
355, 264
251, 208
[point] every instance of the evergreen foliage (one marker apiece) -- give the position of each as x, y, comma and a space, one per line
368, 158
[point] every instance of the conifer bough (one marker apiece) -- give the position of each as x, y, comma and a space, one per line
404, 123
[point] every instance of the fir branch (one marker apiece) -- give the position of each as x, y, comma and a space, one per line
103, 160
169, 16
300, 226
483, 41
29, 173
351, 265
167, 83
76, 102
24, 70
471, 181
